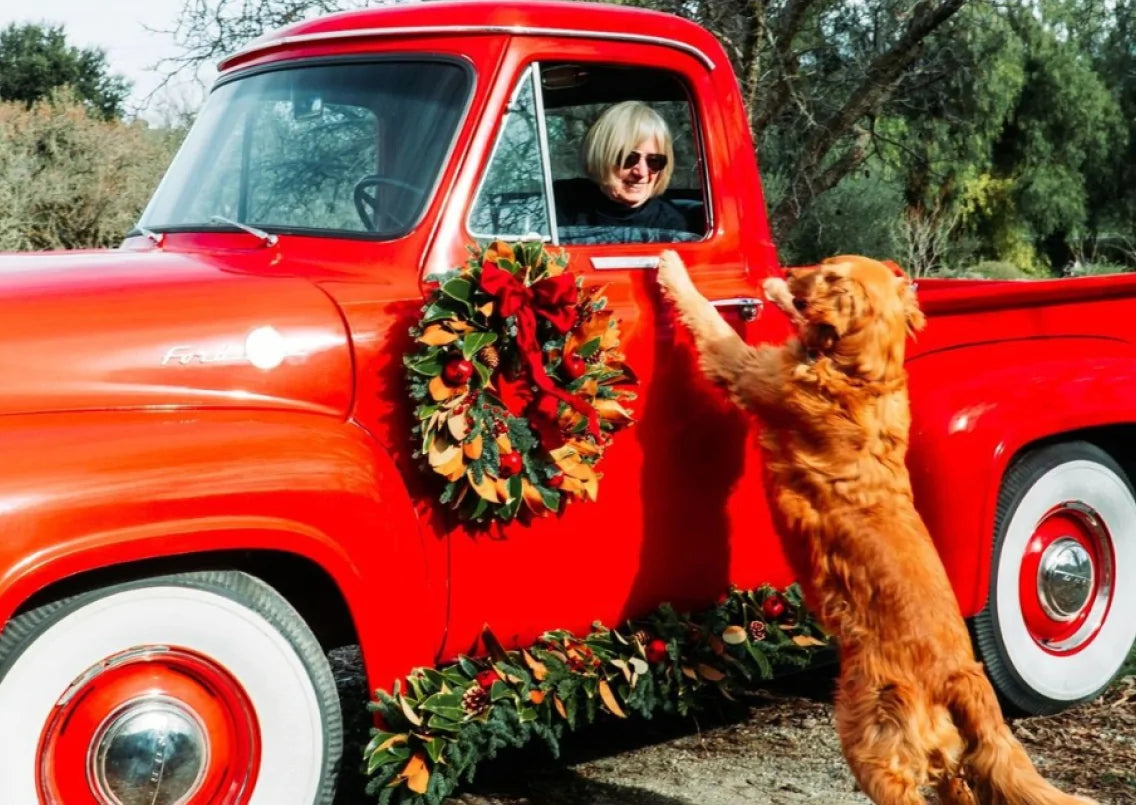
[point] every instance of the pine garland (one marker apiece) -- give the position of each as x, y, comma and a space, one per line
448, 720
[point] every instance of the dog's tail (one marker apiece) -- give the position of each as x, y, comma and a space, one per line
997, 766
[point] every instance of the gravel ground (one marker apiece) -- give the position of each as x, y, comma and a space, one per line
777, 748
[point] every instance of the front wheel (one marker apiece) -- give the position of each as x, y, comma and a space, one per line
196, 688
1058, 624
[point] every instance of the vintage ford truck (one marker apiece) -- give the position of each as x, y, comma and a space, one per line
210, 480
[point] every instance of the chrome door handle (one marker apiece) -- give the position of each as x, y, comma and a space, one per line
749, 307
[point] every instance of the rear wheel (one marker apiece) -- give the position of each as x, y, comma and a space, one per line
1058, 624
192, 688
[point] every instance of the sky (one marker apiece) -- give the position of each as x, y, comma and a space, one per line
119, 28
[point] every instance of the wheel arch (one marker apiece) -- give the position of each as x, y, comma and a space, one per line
311, 505
999, 402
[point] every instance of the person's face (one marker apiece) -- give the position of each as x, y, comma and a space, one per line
634, 185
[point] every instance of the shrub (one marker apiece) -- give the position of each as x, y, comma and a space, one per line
71, 181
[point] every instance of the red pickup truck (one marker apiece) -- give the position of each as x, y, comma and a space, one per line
212, 479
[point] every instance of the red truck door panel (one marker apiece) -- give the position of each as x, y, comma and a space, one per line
681, 489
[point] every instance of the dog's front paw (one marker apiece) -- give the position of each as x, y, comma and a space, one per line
777, 292
672, 274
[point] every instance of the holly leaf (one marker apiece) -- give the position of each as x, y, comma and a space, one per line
429, 365
588, 348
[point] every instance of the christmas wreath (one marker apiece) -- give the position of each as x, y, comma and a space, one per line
518, 381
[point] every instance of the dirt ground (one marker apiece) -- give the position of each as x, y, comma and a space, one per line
778, 748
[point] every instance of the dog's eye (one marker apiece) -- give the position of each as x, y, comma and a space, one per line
799, 303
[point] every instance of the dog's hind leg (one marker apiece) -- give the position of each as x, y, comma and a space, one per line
879, 728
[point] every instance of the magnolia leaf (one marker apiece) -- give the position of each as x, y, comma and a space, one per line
440, 391
416, 773
475, 342
585, 447
384, 741
625, 669
612, 411
532, 497
429, 365
440, 453
408, 712
689, 672
734, 635
486, 488
454, 468
638, 665
494, 648
536, 697
437, 336
559, 705
503, 443
486, 310
434, 748
459, 426
588, 348
805, 640
710, 673
609, 699
539, 670
502, 487
473, 447
726, 693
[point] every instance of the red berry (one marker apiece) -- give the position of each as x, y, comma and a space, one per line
656, 650
457, 372
486, 678
773, 607
510, 464
556, 481
574, 366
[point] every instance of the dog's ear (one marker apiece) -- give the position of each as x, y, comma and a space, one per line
912, 315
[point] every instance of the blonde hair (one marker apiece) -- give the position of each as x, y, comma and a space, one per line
615, 134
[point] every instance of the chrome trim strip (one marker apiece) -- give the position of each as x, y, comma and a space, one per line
544, 151
631, 261
738, 301
445, 30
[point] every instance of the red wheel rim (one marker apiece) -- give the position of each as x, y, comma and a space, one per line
167, 722
1066, 582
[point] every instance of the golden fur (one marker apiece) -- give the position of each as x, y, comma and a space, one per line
913, 706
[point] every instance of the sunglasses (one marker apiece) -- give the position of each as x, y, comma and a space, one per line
655, 162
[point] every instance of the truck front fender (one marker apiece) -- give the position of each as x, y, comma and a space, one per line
80, 492
975, 408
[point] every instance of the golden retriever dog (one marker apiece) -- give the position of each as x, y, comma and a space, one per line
913, 706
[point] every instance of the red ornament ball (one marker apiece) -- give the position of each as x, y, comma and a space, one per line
510, 464
656, 650
556, 481
574, 366
457, 372
773, 607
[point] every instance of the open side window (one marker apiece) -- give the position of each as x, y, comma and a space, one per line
537, 160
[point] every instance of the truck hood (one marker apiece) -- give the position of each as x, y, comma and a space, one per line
113, 330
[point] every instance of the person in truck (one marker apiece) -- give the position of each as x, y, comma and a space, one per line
628, 155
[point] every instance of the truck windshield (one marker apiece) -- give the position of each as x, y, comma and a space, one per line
345, 149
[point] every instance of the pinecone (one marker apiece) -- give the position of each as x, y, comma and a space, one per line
642, 636
489, 356
475, 700
756, 631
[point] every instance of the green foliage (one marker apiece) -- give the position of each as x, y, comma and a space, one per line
995, 270
69, 180
448, 720
35, 61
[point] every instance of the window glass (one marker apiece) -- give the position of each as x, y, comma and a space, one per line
512, 200
343, 147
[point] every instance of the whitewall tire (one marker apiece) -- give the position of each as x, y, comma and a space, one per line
1060, 620
199, 688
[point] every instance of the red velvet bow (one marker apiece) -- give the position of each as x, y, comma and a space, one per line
554, 298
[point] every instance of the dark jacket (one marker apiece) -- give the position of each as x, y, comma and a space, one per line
581, 203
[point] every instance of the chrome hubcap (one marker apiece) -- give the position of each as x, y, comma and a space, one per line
1065, 579
152, 751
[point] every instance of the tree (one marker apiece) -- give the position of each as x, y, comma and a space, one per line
36, 59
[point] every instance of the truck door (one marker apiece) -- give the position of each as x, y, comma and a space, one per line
680, 513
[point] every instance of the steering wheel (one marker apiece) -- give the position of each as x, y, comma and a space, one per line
367, 202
